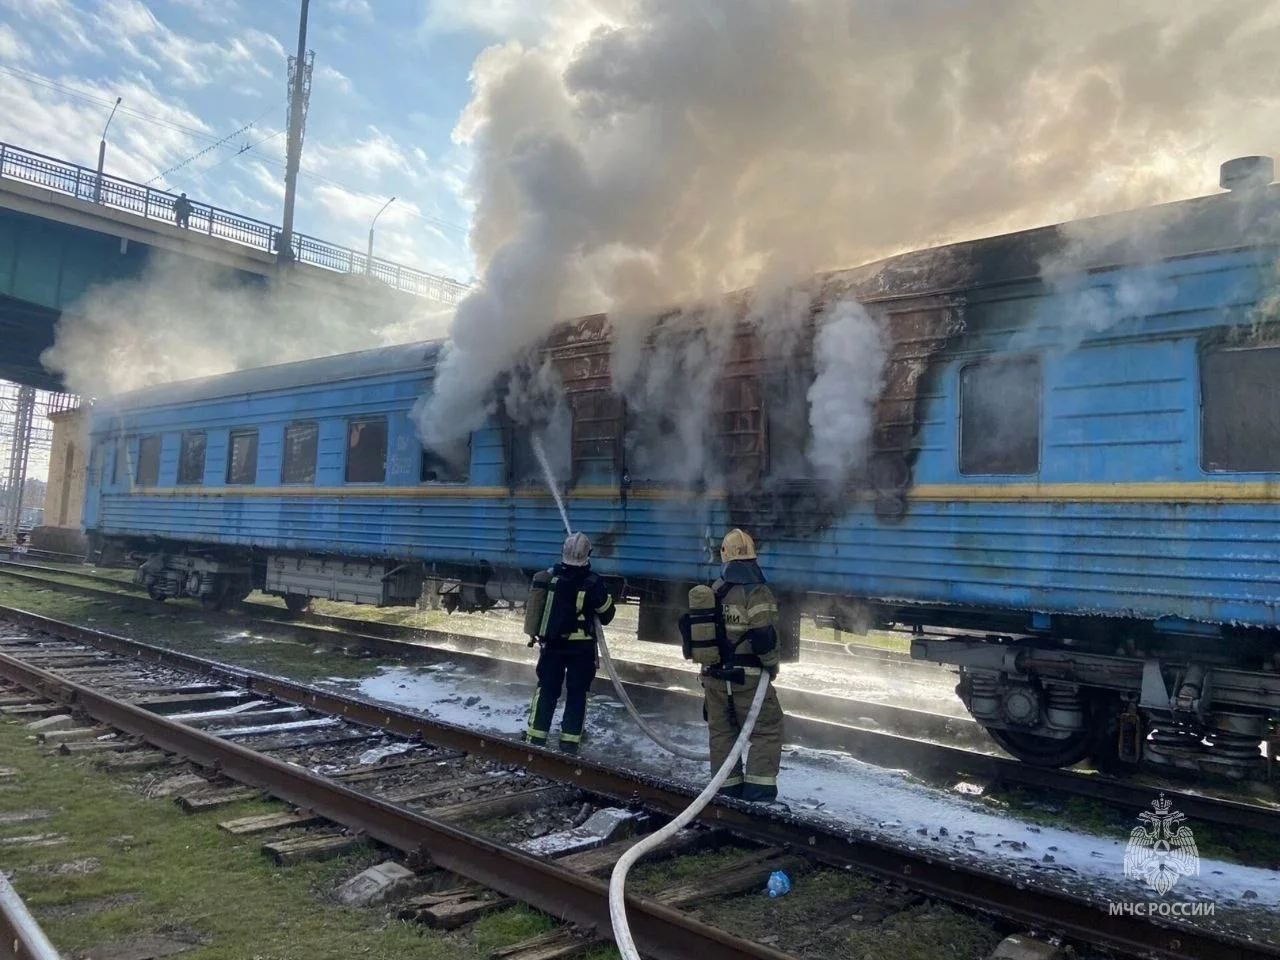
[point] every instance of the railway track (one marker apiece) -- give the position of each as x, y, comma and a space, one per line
876, 733
445, 797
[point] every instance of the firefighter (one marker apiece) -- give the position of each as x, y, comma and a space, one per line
732, 631
573, 601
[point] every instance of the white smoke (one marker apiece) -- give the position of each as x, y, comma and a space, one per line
183, 318
849, 357
668, 375
684, 148
535, 400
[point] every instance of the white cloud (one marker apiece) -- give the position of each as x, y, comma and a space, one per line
131, 27
352, 8
48, 121
347, 206
333, 78
61, 17
268, 180
12, 48
217, 13
370, 159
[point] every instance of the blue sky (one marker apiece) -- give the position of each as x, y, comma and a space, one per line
391, 78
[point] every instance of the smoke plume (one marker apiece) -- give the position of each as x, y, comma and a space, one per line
183, 319
849, 355
683, 148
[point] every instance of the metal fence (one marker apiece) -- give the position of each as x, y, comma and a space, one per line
141, 200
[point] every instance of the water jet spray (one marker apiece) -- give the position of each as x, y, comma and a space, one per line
618, 879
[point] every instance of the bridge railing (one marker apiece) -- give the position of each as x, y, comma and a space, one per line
83, 183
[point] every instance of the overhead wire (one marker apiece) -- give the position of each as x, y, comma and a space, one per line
212, 146
74, 94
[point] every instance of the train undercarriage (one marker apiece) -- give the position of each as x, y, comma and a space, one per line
1171, 706
1199, 704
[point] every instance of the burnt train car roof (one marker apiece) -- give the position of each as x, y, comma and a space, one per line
1222, 222
284, 376
1218, 223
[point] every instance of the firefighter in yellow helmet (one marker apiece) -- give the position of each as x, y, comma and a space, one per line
732, 631
573, 600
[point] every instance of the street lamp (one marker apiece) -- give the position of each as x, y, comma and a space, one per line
102, 153
368, 257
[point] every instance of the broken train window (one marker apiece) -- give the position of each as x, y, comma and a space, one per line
367, 450
149, 460
191, 458
1240, 410
1000, 405
439, 468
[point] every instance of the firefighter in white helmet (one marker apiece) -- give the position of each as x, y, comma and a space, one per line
575, 599
732, 631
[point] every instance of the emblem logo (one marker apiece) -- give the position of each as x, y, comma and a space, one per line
1162, 849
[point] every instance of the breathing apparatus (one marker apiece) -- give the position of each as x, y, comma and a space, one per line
737, 545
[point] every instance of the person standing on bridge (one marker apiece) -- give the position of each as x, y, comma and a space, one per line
573, 600
182, 211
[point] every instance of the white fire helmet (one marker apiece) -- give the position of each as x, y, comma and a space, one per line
737, 545
576, 551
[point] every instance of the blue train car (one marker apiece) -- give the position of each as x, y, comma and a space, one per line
1070, 491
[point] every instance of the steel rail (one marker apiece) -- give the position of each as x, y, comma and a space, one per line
1012, 900
20, 936
543, 884
805, 723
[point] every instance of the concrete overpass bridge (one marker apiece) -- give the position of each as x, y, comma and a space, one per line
65, 228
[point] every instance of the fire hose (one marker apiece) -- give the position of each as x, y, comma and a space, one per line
652, 734
618, 879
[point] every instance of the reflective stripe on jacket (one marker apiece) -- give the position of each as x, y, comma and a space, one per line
588, 595
747, 608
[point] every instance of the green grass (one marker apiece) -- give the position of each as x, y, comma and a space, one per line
162, 870
650, 878
161, 625
927, 932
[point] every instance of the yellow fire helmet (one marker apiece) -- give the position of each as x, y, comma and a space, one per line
737, 545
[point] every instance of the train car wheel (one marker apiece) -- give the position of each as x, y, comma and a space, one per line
296, 603
1046, 751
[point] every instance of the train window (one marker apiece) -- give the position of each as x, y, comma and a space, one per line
242, 458
787, 424
657, 449
367, 450
300, 442
1000, 417
556, 437
191, 458
149, 461
597, 428
119, 468
1240, 410
437, 468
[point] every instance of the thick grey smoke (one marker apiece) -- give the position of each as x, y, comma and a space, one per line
183, 319
689, 147
849, 355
